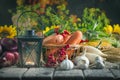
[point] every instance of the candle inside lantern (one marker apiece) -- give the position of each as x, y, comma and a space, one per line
30, 63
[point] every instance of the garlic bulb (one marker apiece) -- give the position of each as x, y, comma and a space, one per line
82, 64
99, 63
66, 64
82, 61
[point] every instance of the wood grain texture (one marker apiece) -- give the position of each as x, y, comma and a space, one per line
98, 74
12, 73
116, 73
68, 75
56, 74
38, 74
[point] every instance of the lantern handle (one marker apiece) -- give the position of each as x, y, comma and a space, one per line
27, 12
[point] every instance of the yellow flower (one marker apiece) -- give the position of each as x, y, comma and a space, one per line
108, 29
47, 29
116, 28
7, 31
55, 27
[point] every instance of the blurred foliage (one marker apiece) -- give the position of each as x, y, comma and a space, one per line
52, 16
94, 15
93, 20
94, 23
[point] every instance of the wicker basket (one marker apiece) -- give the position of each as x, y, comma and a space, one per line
52, 48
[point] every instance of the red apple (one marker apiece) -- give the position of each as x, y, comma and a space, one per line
16, 54
9, 57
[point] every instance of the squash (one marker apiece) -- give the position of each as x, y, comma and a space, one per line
53, 39
93, 50
75, 38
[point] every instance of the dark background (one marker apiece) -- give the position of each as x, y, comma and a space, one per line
111, 7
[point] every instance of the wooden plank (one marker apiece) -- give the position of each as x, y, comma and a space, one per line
12, 73
116, 73
98, 74
38, 74
68, 75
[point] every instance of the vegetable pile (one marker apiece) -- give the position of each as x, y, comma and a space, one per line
57, 55
83, 55
8, 52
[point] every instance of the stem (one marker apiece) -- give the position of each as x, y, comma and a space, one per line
66, 57
84, 51
95, 25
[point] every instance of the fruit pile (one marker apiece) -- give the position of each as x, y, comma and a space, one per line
8, 52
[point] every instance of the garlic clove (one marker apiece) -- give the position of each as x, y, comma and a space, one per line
99, 63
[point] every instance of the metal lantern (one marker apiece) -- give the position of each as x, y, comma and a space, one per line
29, 45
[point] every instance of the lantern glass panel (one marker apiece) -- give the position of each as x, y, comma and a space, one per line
30, 49
29, 56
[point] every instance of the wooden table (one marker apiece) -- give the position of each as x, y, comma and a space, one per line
13, 73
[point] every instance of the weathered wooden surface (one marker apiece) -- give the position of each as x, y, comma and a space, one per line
55, 74
68, 75
38, 74
98, 74
116, 73
12, 73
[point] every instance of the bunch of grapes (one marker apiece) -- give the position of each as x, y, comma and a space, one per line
51, 61
56, 58
61, 53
